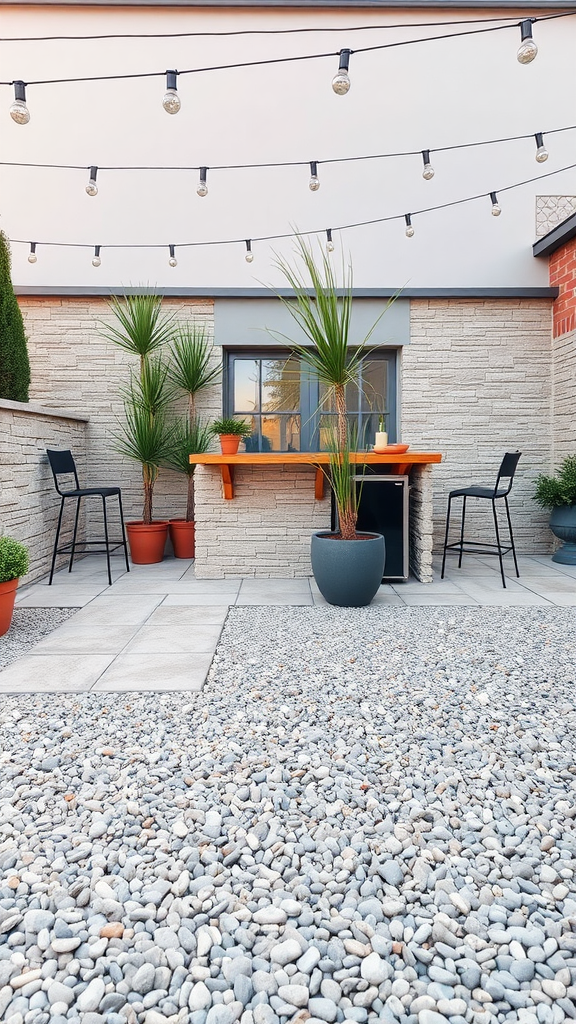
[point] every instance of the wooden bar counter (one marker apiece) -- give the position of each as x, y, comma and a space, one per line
391, 462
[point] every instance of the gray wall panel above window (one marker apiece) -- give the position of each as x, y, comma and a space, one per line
247, 323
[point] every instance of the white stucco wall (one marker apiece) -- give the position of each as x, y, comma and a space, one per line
422, 96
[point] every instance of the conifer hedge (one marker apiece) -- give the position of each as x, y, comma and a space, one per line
14, 365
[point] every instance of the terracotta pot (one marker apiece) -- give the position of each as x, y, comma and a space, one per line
229, 443
7, 597
147, 543
182, 537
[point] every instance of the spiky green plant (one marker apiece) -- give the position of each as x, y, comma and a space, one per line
14, 364
190, 368
144, 439
324, 316
187, 437
552, 491
150, 389
141, 326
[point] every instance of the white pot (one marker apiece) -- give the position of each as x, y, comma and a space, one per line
381, 439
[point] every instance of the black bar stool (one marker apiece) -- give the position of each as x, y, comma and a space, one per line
62, 464
501, 490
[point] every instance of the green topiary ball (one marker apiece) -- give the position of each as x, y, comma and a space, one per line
14, 561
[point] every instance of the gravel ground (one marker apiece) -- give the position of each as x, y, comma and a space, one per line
29, 625
367, 815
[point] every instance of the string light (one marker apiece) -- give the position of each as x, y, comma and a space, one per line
527, 49
428, 172
341, 80
19, 111
202, 189
32, 257
541, 151
496, 208
249, 257
172, 262
96, 261
92, 187
409, 228
171, 101
314, 183
329, 242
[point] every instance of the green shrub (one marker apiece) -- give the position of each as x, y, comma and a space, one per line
552, 491
13, 559
14, 365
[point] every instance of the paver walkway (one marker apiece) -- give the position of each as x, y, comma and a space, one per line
158, 626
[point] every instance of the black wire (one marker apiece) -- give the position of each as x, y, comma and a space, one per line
285, 60
251, 31
289, 163
316, 231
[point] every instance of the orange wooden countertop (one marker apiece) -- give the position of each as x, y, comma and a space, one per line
395, 463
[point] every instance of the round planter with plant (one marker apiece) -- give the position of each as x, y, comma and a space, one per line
231, 432
347, 566
14, 563
558, 493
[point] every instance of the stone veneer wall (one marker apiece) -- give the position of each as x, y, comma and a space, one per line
476, 381
74, 367
29, 505
564, 397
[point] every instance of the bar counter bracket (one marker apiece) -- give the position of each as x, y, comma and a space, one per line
394, 463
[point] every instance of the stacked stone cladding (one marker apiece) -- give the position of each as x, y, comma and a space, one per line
29, 505
476, 381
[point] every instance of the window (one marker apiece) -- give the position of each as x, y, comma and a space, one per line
281, 400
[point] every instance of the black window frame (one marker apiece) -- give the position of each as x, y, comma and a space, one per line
309, 394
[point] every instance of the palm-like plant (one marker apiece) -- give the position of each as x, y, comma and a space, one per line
323, 312
190, 368
140, 327
185, 437
144, 439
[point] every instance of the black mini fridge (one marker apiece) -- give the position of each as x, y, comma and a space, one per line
383, 509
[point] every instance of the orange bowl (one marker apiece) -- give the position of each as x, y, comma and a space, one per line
392, 449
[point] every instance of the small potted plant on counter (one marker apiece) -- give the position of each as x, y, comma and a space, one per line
231, 432
14, 564
559, 494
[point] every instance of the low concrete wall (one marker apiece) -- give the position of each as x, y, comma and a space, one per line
29, 505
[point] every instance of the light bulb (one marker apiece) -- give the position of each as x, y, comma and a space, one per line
314, 183
409, 228
341, 80
329, 242
249, 257
96, 261
541, 151
171, 101
527, 49
496, 208
19, 111
202, 189
92, 187
172, 262
32, 257
428, 171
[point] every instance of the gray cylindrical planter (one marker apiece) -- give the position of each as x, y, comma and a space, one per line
348, 572
563, 526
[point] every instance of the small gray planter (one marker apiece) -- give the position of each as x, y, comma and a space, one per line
563, 526
348, 572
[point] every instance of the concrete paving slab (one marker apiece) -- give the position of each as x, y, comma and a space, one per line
86, 639
160, 673
54, 673
188, 616
170, 638
112, 609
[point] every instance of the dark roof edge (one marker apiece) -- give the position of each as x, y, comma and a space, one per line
265, 293
555, 238
334, 4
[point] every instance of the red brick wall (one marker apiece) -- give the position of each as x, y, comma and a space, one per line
563, 276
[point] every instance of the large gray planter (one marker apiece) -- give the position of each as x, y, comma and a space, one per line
563, 526
348, 572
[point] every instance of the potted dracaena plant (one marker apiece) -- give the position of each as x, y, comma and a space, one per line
14, 563
558, 493
142, 329
191, 370
347, 566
